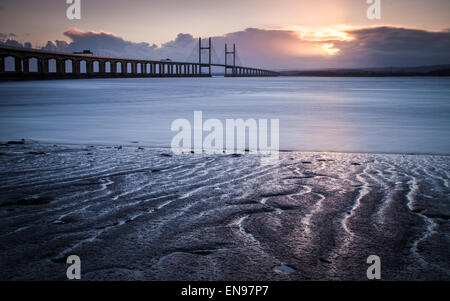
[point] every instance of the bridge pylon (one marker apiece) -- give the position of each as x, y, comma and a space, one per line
200, 48
233, 67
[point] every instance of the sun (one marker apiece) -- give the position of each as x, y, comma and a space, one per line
330, 49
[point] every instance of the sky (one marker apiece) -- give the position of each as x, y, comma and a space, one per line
277, 34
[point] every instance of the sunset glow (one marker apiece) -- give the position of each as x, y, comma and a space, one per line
321, 34
329, 49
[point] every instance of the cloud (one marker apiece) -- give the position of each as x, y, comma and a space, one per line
351, 48
56, 46
388, 46
11, 43
295, 49
105, 44
5, 36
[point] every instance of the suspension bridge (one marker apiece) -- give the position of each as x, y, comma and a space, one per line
34, 64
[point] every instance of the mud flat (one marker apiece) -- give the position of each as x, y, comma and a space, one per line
143, 214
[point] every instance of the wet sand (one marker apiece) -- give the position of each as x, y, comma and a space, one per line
144, 214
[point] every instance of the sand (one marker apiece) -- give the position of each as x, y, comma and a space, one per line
144, 214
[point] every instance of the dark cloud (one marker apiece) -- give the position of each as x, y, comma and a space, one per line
387, 46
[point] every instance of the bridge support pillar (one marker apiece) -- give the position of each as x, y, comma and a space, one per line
102, 67
45, 68
2, 64
76, 67
26, 65
17, 65
89, 67
113, 67
124, 67
59, 66
40, 66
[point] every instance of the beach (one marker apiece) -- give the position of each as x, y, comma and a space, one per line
141, 213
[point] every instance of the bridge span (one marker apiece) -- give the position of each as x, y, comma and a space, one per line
33, 64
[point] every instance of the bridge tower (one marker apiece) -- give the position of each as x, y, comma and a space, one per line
200, 48
233, 68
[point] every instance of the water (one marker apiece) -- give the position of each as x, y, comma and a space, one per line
403, 115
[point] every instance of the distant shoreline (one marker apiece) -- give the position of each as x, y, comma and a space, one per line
367, 73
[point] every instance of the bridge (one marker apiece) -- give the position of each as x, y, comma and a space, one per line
60, 65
